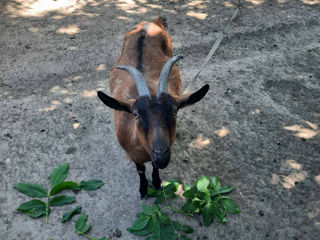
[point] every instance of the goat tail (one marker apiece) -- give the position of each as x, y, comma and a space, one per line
161, 22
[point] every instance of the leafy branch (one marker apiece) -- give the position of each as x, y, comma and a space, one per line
206, 197
36, 208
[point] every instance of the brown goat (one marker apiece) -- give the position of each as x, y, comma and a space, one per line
145, 86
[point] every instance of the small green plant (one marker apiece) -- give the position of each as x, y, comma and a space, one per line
206, 197
82, 228
36, 208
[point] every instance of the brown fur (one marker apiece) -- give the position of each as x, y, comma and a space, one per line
157, 50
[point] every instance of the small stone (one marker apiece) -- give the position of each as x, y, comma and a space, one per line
118, 233
71, 150
261, 213
8, 135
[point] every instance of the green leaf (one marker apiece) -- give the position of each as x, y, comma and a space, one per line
220, 190
219, 213
63, 186
190, 193
191, 206
155, 208
163, 218
171, 188
143, 232
186, 187
81, 226
178, 226
35, 208
140, 223
155, 227
207, 214
204, 196
167, 233
31, 190
226, 189
104, 238
231, 206
61, 200
68, 215
203, 183
214, 181
59, 174
184, 238
91, 185
160, 199
146, 209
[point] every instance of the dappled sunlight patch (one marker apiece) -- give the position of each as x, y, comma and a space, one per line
130, 6
256, 111
89, 94
101, 67
310, 2
154, 6
200, 142
55, 89
73, 48
303, 132
77, 78
33, 29
222, 132
180, 191
294, 165
101, 84
200, 4
255, 2
55, 102
290, 181
71, 29
228, 4
67, 100
200, 16
39, 8
295, 175
122, 18
317, 179
57, 17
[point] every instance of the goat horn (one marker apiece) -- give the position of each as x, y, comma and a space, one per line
138, 78
165, 73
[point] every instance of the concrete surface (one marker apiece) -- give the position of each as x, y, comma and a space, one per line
257, 129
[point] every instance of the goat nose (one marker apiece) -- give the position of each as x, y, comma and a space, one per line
162, 150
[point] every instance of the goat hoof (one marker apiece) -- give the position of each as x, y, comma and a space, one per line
144, 196
156, 186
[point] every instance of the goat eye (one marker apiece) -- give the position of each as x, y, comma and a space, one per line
135, 115
175, 111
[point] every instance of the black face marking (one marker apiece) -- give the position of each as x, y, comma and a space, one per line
140, 47
156, 113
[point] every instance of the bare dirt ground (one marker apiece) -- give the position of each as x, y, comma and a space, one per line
257, 129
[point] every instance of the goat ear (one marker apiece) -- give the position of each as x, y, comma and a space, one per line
113, 103
189, 99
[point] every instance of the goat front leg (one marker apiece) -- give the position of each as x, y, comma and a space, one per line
143, 189
156, 181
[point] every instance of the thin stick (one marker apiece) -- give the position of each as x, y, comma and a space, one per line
213, 49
